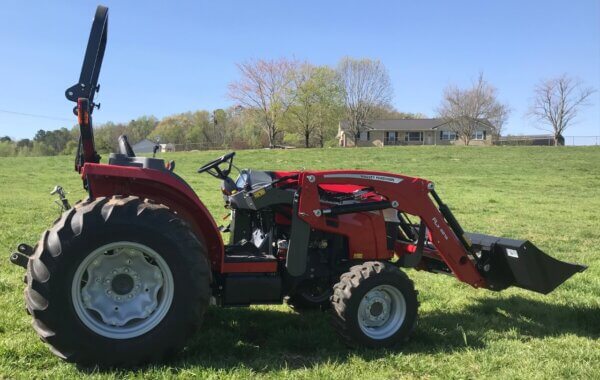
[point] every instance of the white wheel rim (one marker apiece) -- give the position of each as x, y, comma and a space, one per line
381, 312
122, 290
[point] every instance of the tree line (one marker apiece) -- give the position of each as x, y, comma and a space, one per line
290, 102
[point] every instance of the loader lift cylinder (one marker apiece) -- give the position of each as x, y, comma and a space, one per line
452, 222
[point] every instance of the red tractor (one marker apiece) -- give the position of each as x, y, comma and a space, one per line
125, 276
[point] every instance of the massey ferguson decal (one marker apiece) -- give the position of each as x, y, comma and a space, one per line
370, 177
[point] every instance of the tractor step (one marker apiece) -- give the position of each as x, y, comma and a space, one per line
508, 262
246, 253
249, 258
247, 289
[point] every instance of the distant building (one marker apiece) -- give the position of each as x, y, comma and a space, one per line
540, 140
385, 132
144, 146
167, 147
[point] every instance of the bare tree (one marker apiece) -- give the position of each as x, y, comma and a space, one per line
557, 102
267, 87
467, 109
390, 112
366, 88
498, 121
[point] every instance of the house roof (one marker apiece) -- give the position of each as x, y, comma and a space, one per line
406, 124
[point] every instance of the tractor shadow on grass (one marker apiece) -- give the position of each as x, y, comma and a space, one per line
265, 340
493, 318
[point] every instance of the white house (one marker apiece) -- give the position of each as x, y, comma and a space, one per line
411, 132
167, 147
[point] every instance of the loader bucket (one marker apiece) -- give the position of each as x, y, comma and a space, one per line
508, 262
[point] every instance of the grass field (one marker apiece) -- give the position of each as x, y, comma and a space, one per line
548, 195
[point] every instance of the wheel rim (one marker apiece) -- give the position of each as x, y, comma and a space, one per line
381, 312
122, 290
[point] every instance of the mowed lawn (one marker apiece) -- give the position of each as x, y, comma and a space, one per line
548, 195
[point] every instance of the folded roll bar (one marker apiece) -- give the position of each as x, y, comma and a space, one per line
83, 92
90, 70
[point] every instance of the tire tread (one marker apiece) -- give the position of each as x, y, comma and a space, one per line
348, 285
91, 214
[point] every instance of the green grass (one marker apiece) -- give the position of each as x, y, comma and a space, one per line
548, 195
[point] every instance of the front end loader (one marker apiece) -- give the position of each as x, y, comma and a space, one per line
125, 276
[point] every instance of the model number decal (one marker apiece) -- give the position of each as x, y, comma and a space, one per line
370, 177
437, 224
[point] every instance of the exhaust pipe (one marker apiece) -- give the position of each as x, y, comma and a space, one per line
508, 262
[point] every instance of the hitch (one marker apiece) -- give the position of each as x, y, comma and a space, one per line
62, 201
21, 257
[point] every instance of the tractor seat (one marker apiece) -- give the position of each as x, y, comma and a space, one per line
126, 157
253, 178
140, 162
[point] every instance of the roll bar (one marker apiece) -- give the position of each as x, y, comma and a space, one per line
83, 92
90, 70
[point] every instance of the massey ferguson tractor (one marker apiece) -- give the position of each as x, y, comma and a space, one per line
125, 276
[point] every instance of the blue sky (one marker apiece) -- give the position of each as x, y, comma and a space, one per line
166, 57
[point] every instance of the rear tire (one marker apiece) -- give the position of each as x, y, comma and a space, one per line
117, 282
374, 305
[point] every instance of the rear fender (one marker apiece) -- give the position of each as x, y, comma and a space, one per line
162, 187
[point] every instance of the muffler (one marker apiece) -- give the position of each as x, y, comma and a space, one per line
507, 262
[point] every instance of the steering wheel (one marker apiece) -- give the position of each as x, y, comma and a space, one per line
214, 169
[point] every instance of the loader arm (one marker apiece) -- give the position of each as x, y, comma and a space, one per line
407, 194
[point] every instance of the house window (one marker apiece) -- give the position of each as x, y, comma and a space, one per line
391, 136
478, 135
448, 135
364, 136
413, 136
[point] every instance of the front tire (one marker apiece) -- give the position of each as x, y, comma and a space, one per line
374, 305
117, 282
